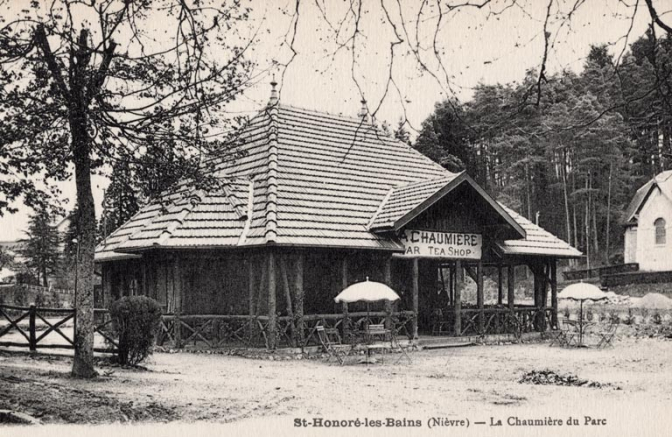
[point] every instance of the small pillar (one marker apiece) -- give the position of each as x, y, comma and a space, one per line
500, 285
344, 305
298, 298
511, 281
272, 316
457, 328
250, 296
416, 292
388, 303
554, 293
480, 298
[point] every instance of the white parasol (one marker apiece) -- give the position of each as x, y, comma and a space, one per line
582, 292
366, 291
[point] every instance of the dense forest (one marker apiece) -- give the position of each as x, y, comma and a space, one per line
570, 151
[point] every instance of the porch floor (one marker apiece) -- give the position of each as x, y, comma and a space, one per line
439, 341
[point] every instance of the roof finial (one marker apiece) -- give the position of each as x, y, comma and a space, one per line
274, 92
363, 112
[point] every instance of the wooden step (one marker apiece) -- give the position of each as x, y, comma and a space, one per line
446, 345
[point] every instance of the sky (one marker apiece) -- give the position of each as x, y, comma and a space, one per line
490, 45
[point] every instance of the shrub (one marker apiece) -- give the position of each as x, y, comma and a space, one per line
135, 320
657, 319
630, 318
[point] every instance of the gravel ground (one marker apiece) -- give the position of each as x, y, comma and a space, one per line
633, 383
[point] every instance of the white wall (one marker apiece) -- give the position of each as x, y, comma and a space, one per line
650, 256
630, 246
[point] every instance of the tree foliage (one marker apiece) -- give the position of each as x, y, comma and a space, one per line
575, 156
85, 85
121, 200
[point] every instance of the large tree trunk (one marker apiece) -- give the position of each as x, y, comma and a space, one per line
82, 365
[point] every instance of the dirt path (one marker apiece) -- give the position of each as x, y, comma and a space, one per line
475, 382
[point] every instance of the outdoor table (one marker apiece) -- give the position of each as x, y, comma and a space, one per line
581, 325
365, 339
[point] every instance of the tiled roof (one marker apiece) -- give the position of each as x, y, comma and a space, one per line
403, 199
537, 241
302, 178
662, 180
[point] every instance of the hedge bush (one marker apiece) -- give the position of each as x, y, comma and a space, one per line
135, 320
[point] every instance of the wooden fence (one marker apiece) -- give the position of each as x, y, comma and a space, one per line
218, 331
37, 328
599, 272
498, 320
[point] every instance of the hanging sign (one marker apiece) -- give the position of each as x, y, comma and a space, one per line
441, 244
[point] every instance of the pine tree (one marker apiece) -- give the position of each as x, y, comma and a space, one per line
41, 247
120, 202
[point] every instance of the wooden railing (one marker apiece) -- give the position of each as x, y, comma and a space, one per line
221, 331
39, 328
598, 272
213, 331
498, 321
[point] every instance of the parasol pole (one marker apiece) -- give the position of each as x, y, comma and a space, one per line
581, 321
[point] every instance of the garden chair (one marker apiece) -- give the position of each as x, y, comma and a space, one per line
607, 335
332, 344
394, 340
565, 335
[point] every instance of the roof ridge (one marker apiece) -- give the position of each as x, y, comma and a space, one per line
271, 213
250, 209
380, 208
343, 117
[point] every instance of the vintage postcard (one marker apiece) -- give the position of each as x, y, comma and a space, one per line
336, 217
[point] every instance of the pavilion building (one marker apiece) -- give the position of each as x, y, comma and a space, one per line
315, 202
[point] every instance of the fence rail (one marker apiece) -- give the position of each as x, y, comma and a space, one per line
515, 321
217, 331
35, 328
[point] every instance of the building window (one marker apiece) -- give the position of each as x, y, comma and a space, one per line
660, 231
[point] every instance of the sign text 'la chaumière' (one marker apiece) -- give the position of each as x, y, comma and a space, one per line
441, 244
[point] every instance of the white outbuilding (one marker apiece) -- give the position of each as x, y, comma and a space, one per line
648, 225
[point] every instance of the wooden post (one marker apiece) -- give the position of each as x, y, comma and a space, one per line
480, 298
298, 298
416, 293
451, 285
554, 293
107, 284
539, 289
500, 285
288, 299
262, 283
543, 294
344, 305
511, 280
177, 284
32, 342
458, 298
250, 296
388, 303
145, 286
272, 316
177, 300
